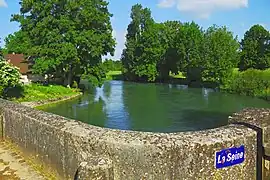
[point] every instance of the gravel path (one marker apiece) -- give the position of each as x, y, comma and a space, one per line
14, 167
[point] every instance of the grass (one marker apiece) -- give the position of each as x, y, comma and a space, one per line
114, 75
37, 92
180, 75
118, 74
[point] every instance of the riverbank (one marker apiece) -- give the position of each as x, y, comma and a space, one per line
252, 82
50, 101
36, 95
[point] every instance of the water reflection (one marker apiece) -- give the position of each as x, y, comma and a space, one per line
150, 107
117, 116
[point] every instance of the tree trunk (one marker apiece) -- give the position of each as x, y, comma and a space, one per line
70, 77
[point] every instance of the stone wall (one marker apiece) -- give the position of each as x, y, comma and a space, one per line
76, 149
259, 118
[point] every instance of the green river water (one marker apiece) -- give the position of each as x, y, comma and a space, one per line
154, 107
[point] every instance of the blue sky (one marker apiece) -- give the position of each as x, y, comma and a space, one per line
237, 15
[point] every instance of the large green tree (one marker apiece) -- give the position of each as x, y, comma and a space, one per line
220, 55
141, 20
170, 62
67, 37
151, 50
255, 53
190, 43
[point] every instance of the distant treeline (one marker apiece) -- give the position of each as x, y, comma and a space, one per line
154, 50
112, 65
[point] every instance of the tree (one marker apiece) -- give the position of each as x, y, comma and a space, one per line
67, 37
17, 42
111, 65
189, 44
220, 55
151, 50
140, 21
254, 46
170, 62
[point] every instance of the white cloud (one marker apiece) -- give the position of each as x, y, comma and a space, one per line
166, 3
3, 3
203, 8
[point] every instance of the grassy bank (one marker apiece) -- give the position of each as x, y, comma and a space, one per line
114, 75
37, 92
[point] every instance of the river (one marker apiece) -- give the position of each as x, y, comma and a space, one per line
153, 107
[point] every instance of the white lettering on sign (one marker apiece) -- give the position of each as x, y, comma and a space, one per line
230, 157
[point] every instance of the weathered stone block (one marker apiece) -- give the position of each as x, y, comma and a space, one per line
63, 144
95, 168
261, 119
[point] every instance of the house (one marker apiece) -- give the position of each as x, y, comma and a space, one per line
19, 61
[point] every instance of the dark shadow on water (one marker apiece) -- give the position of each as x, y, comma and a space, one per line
201, 120
117, 77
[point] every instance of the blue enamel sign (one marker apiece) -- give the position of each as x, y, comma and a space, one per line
230, 157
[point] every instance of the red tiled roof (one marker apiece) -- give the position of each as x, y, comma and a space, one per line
18, 61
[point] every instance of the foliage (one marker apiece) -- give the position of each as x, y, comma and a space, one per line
219, 55
190, 38
150, 50
95, 75
154, 50
169, 62
114, 75
252, 83
38, 92
18, 43
140, 21
75, 85
9, 77
66, 37
111, 65
255, 49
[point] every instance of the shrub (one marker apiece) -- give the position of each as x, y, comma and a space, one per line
74, 85
93, 80
252, 83
9, 78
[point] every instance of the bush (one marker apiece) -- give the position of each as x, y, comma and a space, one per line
74, 85
252, 83
9, 78
93, 80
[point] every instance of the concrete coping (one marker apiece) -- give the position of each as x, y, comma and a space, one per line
256, 117
209, 136
135, 155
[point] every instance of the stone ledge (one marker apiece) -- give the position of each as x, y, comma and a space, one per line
257, 117
66, 143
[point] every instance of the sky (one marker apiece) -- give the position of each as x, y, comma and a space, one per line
237, 15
